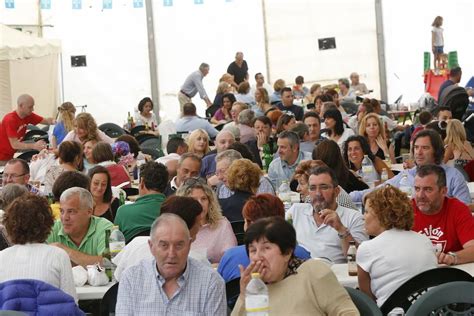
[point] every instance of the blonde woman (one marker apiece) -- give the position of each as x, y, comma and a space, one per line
372, 129
64, 123
198, 142
215, 235
85, 128
457, 147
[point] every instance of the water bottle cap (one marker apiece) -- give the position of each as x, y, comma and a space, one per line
255, 275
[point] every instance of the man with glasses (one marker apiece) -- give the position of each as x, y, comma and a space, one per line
323, 227
134, 219
13, 128
286, 104
17, 171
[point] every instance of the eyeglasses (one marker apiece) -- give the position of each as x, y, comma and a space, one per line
12, 175
321, 187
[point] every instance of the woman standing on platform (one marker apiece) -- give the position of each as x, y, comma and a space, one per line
437, 40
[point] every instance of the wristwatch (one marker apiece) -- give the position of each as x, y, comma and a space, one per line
344, 235
455, 257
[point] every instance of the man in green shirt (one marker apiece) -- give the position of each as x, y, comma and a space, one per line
78, 232
138, 217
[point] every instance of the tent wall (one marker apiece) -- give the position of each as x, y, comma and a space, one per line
115, 43
38, 77
293, 32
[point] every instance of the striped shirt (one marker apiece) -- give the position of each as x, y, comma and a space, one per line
201, 291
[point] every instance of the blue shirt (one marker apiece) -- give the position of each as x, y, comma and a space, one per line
457, 186
59, 132
295, 109
229, 266
280, 170
201, 291
208, 166
191, 123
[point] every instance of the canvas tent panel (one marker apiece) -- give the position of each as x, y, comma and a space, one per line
18, 45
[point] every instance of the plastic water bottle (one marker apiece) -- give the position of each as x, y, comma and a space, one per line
284, 193
405, 185
256, 297
351, 259
140, 162
116, 241
384, 175
368, 172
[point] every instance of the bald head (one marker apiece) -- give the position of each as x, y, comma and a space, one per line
224, 139
169, 220
25, 105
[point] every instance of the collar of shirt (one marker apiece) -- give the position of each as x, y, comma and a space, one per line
90, 232
182, 279
285, 164
173, 184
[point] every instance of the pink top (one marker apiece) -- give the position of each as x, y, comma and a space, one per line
215, 241
102, 137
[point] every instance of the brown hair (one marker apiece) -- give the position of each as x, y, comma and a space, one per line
392, 207
244, 175
28, 219
304, 167
86, 122
102, 152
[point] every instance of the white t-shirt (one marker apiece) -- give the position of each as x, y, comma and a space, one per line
42, 262
438, 36
323, 241
394, 257
345, 135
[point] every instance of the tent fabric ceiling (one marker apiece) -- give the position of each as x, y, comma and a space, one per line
18, 45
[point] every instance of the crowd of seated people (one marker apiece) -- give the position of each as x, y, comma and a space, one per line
188, 205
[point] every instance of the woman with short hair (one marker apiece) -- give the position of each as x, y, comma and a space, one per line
69, 159
397, 253
28, 221
243, 177
335, 127
294, 286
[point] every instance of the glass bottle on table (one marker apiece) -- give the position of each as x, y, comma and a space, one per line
267, 157
106, 256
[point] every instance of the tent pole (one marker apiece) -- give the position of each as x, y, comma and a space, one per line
152, 55
265, 35
381, 50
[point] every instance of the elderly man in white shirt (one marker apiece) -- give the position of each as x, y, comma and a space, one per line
325, 228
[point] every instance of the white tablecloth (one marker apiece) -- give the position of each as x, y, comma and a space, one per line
88, 292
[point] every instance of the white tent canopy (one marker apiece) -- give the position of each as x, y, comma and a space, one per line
28, 64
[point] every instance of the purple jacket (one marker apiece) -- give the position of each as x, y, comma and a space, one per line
36, 297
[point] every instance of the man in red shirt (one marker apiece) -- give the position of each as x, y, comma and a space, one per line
448, 222
13, 128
